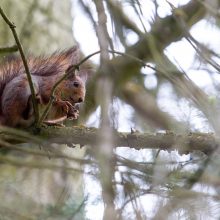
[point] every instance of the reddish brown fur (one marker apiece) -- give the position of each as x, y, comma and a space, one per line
15, 92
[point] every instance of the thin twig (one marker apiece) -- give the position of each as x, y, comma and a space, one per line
10, 49
122, 17
33, 96
140, 15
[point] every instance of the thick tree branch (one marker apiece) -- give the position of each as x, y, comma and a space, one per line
81, 135
164, 141
104, 153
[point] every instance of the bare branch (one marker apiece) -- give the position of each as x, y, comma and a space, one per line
164, 141
8, 49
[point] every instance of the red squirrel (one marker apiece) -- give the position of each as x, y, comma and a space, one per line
16, 109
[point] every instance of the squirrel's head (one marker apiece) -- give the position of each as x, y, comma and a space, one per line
73, 89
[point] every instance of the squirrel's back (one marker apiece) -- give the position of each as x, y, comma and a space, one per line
44, 66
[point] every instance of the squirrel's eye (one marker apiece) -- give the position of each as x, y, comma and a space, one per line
76, 84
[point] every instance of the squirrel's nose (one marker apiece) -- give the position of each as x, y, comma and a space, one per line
80, 100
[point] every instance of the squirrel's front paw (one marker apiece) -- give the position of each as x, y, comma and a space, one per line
69, 110
73, 113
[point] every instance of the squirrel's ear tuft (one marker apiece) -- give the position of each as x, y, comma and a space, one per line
85, 74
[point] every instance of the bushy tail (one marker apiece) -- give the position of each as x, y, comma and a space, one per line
54, 64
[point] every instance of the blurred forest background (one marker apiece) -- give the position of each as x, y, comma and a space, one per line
165, 94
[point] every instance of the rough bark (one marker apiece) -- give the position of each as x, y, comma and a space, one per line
205, 142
